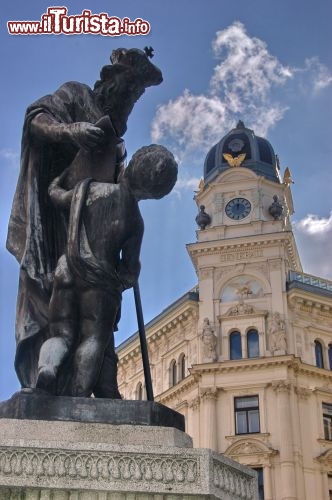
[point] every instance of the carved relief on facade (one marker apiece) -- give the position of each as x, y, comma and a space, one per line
241, 287
276, 332
282, 386
240, 309
209, 343
194, 403
254, 449
209, 393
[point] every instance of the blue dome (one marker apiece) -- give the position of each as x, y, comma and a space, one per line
259, 154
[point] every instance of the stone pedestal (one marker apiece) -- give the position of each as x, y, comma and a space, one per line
68, 460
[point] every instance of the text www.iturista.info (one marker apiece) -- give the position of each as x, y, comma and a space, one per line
56, 22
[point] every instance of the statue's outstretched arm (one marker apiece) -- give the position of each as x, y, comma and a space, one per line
83, 134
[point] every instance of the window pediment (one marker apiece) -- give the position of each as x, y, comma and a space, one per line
244, 447
243, 309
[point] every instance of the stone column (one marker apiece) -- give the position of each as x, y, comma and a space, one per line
193, 425
325, 486
303, 447
244, 345
268, 495
209, 418
287, 468
261, 343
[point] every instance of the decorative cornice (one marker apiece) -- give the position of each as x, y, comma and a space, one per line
261, 241
173, 393
307, 302
96, 468
289, 361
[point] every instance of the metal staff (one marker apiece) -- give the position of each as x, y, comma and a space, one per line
144, 347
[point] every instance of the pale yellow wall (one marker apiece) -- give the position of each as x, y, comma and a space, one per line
290, 446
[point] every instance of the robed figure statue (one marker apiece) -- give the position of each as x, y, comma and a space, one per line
75, 226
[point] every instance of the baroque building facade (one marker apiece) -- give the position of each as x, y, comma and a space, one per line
246, 355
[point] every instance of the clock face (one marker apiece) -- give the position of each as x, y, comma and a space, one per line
238, 208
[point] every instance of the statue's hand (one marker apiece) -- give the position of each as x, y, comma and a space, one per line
85, 135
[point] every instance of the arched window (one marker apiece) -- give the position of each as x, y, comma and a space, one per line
139, 391
319, 354
172, 373
235, 347
182, 367
330, 356
252, 344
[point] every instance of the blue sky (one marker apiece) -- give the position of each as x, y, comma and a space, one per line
266, 62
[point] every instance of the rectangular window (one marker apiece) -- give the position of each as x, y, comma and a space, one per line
260, 474
246, 415
327, 420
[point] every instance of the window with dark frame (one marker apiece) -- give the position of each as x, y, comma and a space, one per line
173, 373
246, 411
319, 354
327, 421
139, 391
235, 347
260, 474
253, 343
330, 356
182, 367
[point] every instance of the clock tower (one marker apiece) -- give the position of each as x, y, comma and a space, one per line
246, 355
245, 247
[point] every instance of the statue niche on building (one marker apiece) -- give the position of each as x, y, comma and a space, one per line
209, 341
76, 229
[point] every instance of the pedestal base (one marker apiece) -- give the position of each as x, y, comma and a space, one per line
36, 405
67, 460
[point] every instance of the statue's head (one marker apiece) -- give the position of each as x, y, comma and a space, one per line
152, 172
123, 82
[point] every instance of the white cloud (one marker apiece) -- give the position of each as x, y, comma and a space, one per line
11, 157
247, 68
314, 237
185, 183
321, 77
189, 183
241, 87
193, 121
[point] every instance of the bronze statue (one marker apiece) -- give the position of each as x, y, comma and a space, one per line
64, 228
